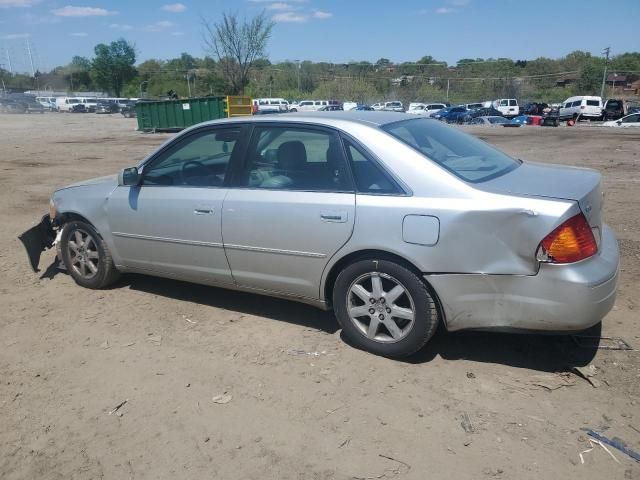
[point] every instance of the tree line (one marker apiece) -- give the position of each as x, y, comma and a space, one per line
236, 64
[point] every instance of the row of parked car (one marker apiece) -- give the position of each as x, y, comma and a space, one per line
88, 104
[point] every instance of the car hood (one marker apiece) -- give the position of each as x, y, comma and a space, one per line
553, 181
107, 180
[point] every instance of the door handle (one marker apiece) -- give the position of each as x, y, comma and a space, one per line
203, 211
338, 217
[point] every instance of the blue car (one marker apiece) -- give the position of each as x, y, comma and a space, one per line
456, 114
441, 113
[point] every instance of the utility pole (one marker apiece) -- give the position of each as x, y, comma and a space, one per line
33, 71
298, 62
447, 89
604, 75
6, 50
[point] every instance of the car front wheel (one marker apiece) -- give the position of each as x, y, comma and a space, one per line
384, 308
86, 256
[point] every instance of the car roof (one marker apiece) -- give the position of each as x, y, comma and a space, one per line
331, 118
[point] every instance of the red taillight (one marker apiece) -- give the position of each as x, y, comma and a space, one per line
570, 242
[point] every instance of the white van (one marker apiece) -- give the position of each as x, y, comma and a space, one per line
270, 105
65, 104
507, 106
89, 103
581, 107
312, 105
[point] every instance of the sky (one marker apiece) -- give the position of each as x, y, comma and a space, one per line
335, 31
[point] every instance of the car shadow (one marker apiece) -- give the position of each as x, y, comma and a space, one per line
242, 302
542, 352
548, 353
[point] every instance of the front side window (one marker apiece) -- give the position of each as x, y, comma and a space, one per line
200, 160
463, 155
291, 158
504, 103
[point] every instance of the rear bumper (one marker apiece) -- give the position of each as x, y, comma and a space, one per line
560, 298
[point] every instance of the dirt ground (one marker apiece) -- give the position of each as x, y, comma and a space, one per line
302, 404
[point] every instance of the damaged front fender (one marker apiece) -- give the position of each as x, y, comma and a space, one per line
37, 239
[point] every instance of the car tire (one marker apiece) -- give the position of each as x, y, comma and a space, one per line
556, 123
403, 324
86, 256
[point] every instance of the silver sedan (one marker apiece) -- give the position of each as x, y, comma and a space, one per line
398, 223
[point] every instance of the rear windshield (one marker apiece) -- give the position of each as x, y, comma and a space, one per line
614, 104
593, 103
463, 155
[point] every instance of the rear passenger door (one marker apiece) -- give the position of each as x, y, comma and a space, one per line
289, 210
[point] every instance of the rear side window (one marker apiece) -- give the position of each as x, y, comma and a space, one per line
513, 103
577, 103
288, 158
368, 176
463, 155
593, 103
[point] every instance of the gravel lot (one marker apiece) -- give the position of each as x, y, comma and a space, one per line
302, 403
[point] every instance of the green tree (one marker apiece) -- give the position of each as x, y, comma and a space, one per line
113, 65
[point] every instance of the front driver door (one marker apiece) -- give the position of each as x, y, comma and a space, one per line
170, 224
291, 209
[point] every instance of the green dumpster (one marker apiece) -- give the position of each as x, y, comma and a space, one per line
173, 115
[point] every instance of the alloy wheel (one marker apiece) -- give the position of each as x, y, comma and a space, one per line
381, 307
83, 253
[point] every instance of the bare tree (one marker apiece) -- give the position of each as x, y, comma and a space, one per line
237, 45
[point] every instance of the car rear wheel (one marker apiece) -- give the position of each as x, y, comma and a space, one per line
384, 308
86, 256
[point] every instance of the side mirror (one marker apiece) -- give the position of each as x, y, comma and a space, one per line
129, 177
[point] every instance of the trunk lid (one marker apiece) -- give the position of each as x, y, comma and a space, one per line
533, 179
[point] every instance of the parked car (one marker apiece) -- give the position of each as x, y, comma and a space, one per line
520, 120
581, 107
480, 112
363, 108
49, 103
104, 106
312, 105
415, 106
378, 106
77, 108
633, 109
426, 110
473, 106
455, 115
393, 106
129, 111
66, 104
351, 211
535, 108
508, 106
489, 120
440, 114
330, 108
33, 107
11, 106
550, 118
632, 120
270, 105
349, 105
89, 103
613, 109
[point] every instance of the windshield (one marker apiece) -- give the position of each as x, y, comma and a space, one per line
463, 155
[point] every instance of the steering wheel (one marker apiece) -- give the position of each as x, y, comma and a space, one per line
197, 168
